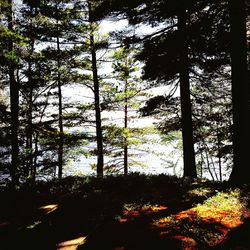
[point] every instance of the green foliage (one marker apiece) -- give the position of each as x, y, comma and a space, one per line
49, 49
11, 57
226, 201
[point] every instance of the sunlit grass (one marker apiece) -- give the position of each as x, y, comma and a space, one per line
200, 191
226, 208
133, 210
209, 222
147, 208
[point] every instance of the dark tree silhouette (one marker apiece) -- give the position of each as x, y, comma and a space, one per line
240, 90
14, 104
186, 110
99, 135
154, 12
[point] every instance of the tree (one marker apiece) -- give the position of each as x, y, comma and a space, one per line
141, 12
41, 69
186, 110
182, 67
12, 59
213, 127
30, 83
123, 96
99, 133
59, 16
240, 90
207, 55
123, 67
88, 42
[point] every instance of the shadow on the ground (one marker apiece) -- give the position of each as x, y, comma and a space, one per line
137, 212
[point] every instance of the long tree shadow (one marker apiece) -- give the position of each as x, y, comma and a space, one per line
155, 215
37, 226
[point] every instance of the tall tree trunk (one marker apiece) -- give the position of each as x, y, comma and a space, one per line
240, 90
29, 145
126, 126
14, 108
30, 123
60, 108
34, 169
186, 111
99, 135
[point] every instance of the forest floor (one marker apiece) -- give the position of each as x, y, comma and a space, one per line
120, 213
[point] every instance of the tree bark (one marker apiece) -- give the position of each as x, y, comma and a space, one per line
60, 108
29, 144
14, 108
99, 135
186, 110
240, 89
219, 152
126, 126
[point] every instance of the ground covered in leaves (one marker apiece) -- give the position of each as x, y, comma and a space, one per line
121, 213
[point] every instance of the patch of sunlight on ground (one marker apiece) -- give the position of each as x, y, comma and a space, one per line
225, 208
211, 221
48, 208
71, 244
45, 209
132, 211
34, 224
200, 191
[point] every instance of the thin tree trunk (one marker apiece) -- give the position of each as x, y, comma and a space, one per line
30, 123
30, 113
33, 173
219, 153
99, 135
126, 126
186, 111
202, 161
208, 165
60, 108
36, 139
14, 108
240, 89
215, 173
